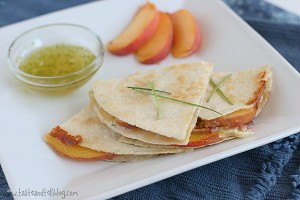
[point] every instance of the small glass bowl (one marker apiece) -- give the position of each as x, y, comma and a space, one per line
53, 34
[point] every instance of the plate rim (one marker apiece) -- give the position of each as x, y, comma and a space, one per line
188, 166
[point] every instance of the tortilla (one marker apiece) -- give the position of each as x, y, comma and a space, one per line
97, 136
266, 93
186, 82
229, 133
137, 133
243, 88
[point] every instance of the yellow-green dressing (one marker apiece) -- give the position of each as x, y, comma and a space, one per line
57, 60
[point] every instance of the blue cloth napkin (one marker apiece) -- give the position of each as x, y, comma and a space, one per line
268, 172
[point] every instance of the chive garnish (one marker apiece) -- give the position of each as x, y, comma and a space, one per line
217, 88
142, 90
148, 89
156, 99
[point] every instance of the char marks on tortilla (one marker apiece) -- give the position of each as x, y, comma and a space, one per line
97, 136
243, 88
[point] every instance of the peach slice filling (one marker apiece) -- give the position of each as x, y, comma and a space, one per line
234, 119
204, 137
67, 145
199, 137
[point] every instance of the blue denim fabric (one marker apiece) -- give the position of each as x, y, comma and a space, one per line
268, 172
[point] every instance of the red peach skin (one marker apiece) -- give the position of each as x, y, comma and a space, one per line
159, 45
138, 32
201, 138
187, 34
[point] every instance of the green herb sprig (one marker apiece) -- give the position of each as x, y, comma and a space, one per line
145, 91
217, 88
156, 98
148, 89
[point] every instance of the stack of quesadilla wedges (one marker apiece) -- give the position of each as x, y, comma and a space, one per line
167, 111
248, 92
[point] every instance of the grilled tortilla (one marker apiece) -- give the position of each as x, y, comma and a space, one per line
113, 102
86, 130
248, 90
222, 134
122, 123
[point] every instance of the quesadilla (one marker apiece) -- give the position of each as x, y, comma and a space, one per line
248, 90
121, 122
94, 138
200, 137
133, 114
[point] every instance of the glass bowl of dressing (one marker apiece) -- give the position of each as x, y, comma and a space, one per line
56, 58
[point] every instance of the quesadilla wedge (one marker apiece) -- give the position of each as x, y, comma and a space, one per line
77, 152
134, 115
248, 90
84, 137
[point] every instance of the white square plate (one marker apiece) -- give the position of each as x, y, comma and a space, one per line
26, 116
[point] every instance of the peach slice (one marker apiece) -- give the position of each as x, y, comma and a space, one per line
234, 119
138, 32
204, 137
75, 151
187, 35
159, 45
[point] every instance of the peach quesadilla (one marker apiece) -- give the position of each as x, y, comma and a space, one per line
245, 93
92, 138
167, 111
133, 114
